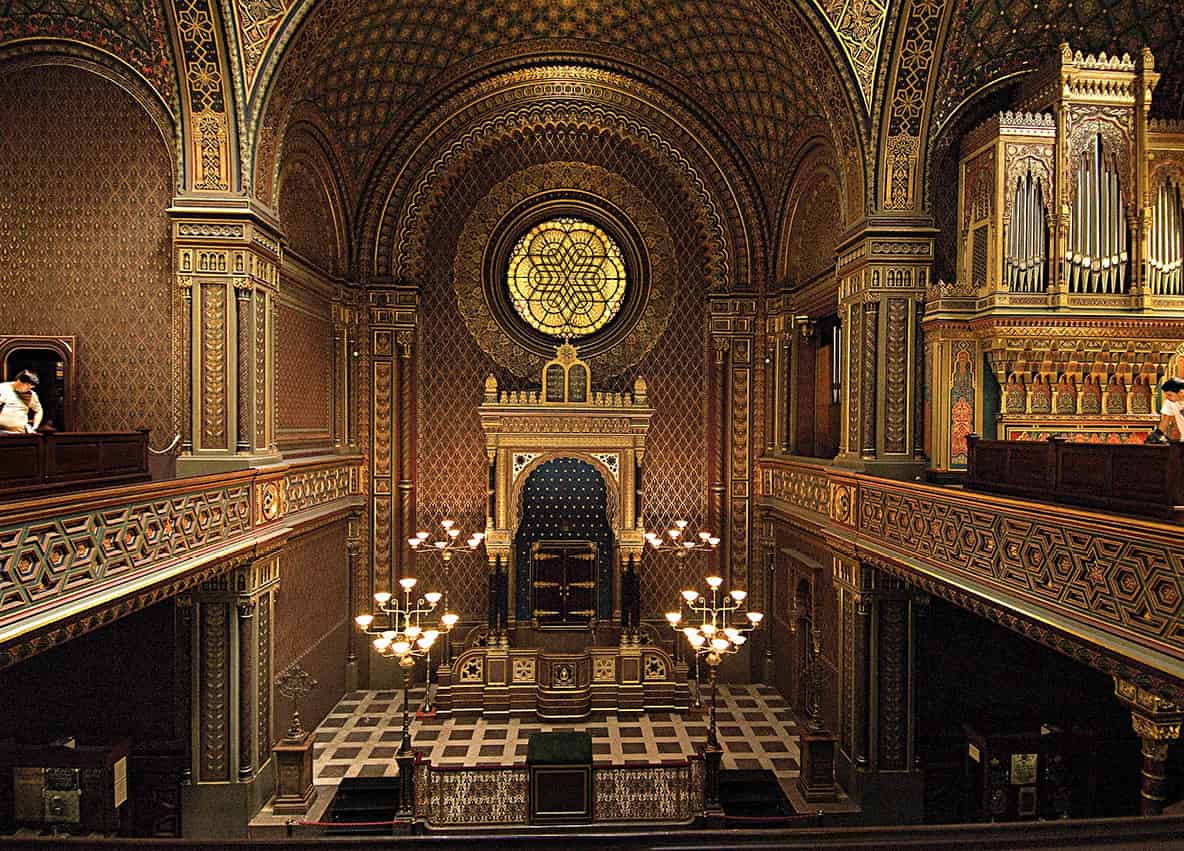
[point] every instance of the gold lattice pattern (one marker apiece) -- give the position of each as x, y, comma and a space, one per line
84, 240
566, 278
303, 375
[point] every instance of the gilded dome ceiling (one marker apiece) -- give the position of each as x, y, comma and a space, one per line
373, 66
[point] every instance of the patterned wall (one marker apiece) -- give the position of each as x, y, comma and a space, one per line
307, 217
312, 620
303, 374
84, 239
816, 227
452, 469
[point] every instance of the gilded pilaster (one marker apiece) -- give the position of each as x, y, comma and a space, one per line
392, 318
883, 273
232, 703
227, 262
733, 324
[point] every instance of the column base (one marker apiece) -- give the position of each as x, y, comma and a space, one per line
223, 810
889, 468
209, 464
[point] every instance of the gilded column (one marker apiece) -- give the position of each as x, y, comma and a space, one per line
1157, 723
884, 274
231, 705
227, 262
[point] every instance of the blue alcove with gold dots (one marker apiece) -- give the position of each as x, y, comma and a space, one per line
564, 499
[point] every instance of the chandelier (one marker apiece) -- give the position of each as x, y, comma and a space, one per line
719, 627
398, 630
679, 541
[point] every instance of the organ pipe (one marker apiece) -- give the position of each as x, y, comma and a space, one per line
1097, 255
1027, 238
1165, 254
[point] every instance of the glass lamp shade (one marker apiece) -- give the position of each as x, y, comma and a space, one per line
720, 645
756, 617
707, 629
414, 542
401, 647
412, 631
674, 618
681, 524
738, 640
408, 582
688, 631
439, 544
431, 634
424, 642
447, 524
433, 597
382, 597
423, 536
715, 581
714, 541
364, 621
690, 596
696, 639
739, 595
449, 620
381, 644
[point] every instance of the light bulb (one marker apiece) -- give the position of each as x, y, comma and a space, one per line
715, 581
382, 597
673, 617
408, 582
433, 597
739, 596
364, 621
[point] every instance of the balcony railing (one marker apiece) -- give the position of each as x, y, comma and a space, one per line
80, 557
1106, 586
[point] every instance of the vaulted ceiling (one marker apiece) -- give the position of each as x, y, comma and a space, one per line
374, 66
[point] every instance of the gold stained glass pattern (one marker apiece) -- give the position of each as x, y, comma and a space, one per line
566, 277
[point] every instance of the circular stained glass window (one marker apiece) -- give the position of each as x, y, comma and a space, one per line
566, 278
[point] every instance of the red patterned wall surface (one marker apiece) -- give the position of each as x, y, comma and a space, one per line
84, 239
452, 471
303, 374
312, 620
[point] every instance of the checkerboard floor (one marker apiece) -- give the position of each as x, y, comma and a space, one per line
360, 736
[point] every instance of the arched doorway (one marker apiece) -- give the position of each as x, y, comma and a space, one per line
563, 511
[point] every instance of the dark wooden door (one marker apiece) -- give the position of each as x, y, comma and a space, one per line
563, 583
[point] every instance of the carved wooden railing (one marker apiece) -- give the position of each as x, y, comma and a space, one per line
1106, 589
74, 561
64, 460
460, 796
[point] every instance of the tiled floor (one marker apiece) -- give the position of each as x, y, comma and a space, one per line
360, 736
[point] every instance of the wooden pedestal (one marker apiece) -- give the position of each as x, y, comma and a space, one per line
294, 792
817, 779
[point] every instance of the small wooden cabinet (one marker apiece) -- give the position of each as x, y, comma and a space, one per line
1024, 776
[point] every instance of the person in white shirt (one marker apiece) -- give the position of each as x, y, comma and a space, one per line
1171, 413
18, 400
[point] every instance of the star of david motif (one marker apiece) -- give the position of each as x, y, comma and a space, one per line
573, 280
